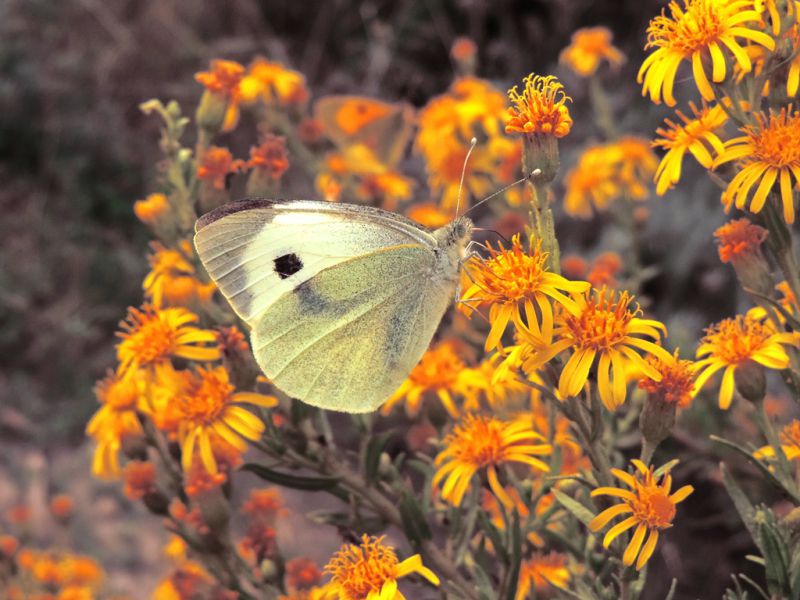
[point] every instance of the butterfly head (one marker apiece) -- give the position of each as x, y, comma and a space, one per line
453, 238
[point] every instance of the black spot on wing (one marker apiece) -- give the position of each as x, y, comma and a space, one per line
287, 265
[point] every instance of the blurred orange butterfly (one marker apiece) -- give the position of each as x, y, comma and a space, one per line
372, 135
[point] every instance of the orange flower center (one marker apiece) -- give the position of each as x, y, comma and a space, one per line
653, 506
510, 275
677, 381
359, 570
603, 323
735, 340
151, 338
479, 441
439, 368
739, 238
686, 31
207, 397
776, 142
540, 108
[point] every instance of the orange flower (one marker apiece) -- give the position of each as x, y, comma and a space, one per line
677, 380
140, 479
270, 156
514, 283
215, 166
223, 78
61, 506
302, 573
739, 240
439, 373
272, 83
541, 572
540, 109
588, 48
172, 278
151, 209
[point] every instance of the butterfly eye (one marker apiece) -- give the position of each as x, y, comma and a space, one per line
287, 265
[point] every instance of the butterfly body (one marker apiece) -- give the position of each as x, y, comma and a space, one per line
342, 300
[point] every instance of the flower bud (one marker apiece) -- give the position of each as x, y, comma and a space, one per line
739, 243
751, 381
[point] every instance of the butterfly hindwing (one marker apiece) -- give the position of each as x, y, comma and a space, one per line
257, 251
365, 324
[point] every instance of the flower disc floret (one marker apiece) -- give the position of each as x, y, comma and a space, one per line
699, 32
370, 571
540, 108
651, 508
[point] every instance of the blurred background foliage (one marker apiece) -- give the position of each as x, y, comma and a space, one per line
76, 152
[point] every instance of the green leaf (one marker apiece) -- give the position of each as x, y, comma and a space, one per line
297, 482
516, 557
742, 504
776, 555
666, 468
414, 523
768, 475
372, 456
494, 536
578, 510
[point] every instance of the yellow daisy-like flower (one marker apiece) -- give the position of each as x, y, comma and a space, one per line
732, 343
650, 505
769, 154
209, 406
588, 48
605, 327
513, 283
696, 135
151, 336
699, 32
172, 278
370, 571
440, 373
483, 442
541, 572
793, 77
272, 83
790, 443
540, 108
115, 420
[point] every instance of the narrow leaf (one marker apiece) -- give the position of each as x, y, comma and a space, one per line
578, 510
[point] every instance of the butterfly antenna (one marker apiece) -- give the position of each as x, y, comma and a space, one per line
472, 143
531, 175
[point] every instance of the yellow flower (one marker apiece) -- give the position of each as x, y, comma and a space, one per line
793, 77
501, 389
151, 336
440, 373
588, 48
540, 109
696, 135
651, 507
272, 83
445, 165
219, 106
482, 442
151, 209
677, 380
606, 328
732, 343
622, 169
172, 278
115, 420
370, 571
210, 407
790, 443
513, 283
787, 301
541, 572
698, 32
768, 153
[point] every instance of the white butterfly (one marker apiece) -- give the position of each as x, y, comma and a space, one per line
342, 300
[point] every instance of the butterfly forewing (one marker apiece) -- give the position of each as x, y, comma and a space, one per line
256, 251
